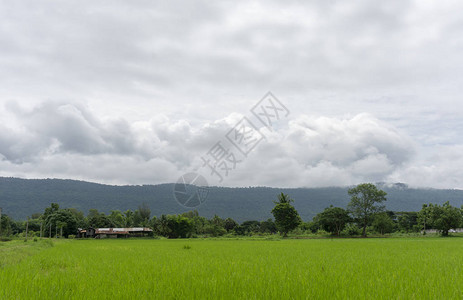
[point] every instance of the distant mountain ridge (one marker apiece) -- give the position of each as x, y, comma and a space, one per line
20, 198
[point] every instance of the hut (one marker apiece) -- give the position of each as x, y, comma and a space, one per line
101, 233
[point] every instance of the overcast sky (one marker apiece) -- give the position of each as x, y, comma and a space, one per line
136, 92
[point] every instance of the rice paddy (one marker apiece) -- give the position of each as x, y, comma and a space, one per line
389, 268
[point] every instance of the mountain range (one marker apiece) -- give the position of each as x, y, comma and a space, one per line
20, 198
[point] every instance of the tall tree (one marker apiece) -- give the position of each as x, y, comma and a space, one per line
445, 217
286, 216
117, 218
424, 216
142, 215
333, 219
365, 202
128, 218
98, 220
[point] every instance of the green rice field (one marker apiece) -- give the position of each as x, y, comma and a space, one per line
376, 268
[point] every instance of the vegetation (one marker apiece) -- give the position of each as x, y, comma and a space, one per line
364, 216
443, 217
394, 268
364, 203
333, 219
13, 252
286, 216
250, 262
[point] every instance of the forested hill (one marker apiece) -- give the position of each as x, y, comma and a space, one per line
20, 198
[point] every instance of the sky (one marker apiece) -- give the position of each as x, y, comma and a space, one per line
142, 92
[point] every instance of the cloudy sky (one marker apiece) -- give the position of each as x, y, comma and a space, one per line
136, 92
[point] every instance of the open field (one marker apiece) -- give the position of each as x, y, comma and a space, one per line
405, 268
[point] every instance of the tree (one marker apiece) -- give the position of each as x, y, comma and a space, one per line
56, 217
268, 226
445, 217
230, 224
6, 224
407, 221
364, 203
333, 219
128, 218
142, 215
179, 227
215, 226
162, 226
98, 220
248, 227
116, 218
383, 223
424, 216
286, 216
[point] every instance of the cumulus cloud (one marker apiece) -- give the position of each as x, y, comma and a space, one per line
443, 168
154, 84
67, 140
321, 151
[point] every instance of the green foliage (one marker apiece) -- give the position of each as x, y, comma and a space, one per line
96, 219
286, 216
142, 215
351, 229
382, 223
442, 217
425, 216
128, 218
59, 219
6, 225
116, 218
179, 227
407, 221
268, 227
333, 219
365, 200
230, 224
312, 226
248, 228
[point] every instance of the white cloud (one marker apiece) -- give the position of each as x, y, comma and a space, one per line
67, 140
442, 169
137, 83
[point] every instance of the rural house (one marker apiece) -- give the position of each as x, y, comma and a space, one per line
100, 233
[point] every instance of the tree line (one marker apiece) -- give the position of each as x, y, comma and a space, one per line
365, 214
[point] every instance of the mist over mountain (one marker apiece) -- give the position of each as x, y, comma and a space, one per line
20, 198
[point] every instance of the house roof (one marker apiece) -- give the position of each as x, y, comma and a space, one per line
126, 230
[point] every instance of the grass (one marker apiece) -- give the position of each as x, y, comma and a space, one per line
12, 252
397, 268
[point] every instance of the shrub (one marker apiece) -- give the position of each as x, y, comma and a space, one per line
322, 232
351, 229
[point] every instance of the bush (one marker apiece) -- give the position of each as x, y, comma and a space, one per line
322, 232
351, 229
71, 236
49, 242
